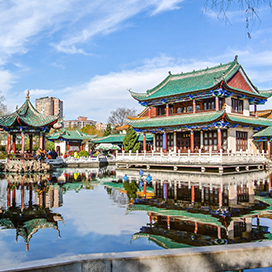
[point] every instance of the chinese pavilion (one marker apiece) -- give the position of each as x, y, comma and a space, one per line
207, 110
27, 121
69, 140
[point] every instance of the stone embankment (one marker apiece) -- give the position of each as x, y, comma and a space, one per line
201, 259
25, 166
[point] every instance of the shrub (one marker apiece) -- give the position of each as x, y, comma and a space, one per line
83, 153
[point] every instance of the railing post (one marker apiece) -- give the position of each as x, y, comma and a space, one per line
129, 153
179, 153
123, 154
137, 152
189, 151
144, 153
221, 153
199, 152
210, 152
263, 152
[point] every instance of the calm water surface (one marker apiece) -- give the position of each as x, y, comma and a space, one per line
88, 211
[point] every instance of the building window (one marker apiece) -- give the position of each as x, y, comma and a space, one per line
210, 140
170, 141
209, 104
241, 141
178, 110
171, 109
158, 141
190, 109
237, 105
161, 110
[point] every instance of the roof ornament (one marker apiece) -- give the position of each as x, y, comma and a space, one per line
169, 72
236, 57
16, 107
27, 94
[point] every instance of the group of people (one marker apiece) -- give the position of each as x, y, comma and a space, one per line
43, 154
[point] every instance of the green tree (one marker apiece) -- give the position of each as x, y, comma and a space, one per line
108, 130
130, 141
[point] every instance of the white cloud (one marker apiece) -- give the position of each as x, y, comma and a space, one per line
104, 93
111, 16
38, 92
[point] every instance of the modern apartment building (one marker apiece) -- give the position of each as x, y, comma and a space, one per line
49, 106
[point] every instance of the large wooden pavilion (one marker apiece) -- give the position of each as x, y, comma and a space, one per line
26, 121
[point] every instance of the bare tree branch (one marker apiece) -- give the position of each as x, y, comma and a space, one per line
117, 117
251, 10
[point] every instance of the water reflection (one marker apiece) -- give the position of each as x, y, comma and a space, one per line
200, 210
26, 201
104, 214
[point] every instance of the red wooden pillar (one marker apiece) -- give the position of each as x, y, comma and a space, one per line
40, 141
144, 142
219, 197
81, 147
144, 189
192, 140
193, 193
22, 144
167, 110
217, 103
14, 143
196, 228
8, 143
269, 149
151, 147
168, 222
219, 139
30, 143
218, 232
14, 196
149, 112
194, 106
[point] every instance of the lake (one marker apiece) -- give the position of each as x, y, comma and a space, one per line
82, 211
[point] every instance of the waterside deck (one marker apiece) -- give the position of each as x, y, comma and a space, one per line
211, 162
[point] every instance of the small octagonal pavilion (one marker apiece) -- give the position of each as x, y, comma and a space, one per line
26, 121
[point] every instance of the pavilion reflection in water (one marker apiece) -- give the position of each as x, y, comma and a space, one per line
26, 200
197, 210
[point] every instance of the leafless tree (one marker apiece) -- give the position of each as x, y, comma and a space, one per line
117, 117
3, 107
251, 10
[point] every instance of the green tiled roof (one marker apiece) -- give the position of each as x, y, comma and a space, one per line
27, 115
118, 138
267, 132
249, 120
197, 119
176, 120
183, 214
201, 80
70, 135
160, 240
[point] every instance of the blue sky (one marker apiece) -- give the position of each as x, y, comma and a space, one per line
89, 53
